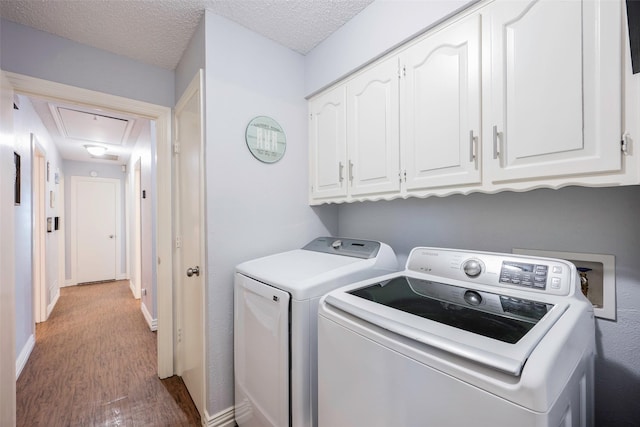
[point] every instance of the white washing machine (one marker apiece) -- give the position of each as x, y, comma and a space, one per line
458, 338
275, 325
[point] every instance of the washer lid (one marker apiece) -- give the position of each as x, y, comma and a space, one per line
445, 319
307, 274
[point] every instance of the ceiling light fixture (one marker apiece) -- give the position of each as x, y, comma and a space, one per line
96, 150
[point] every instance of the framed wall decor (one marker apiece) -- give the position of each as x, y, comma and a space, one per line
265, 139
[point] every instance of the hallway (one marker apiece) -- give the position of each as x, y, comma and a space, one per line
94, 364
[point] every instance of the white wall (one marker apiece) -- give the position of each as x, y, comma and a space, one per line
26, 122
35, 53
572, 219
253, 209
103, 170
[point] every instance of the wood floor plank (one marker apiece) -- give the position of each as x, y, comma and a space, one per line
94, 364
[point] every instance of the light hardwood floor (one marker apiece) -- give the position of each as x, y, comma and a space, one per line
94, 364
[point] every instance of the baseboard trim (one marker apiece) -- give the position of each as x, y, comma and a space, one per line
124, 276
54, 300
21, 361
153, 323
224, 418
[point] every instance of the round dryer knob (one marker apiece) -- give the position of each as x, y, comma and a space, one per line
472, 267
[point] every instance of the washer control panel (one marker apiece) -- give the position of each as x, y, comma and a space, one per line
524, 273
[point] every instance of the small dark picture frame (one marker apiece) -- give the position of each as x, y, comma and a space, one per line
16, 162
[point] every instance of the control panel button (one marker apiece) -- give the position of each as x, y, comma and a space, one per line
555, 283
472, 267
556, 269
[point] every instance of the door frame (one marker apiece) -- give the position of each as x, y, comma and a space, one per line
38, 218
162, 117
75, 180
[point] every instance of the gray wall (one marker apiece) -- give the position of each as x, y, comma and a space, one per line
378, 28
27, 122
35, 53
103, 170
253, 208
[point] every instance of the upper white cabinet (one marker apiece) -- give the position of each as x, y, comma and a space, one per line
553, 87
441, 108
328, 144
373, 130
509, 94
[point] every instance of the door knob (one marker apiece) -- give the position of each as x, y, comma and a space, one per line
193, 271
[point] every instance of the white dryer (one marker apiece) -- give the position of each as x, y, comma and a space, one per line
275, 325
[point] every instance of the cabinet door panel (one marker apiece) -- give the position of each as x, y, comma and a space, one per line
328, 149
373, 130
441, 107
543, 88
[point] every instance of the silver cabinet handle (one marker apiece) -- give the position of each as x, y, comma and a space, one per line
496, 150
340, 169
472, 146
193, 271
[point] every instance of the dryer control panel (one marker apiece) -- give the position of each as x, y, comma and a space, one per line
365, 249
547, 275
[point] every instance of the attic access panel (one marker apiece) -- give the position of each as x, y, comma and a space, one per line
93, 127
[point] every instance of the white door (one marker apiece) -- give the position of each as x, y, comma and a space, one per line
441, 108
261, 354
191, 234
328, 145
373, 130
555, 107
96, 220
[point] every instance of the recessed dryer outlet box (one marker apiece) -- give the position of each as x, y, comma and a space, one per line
601, 277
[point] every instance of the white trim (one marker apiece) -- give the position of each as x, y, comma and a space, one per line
153, 323
54, 300
68, 282
132, 288
162, 116
122, 276
21, 361
224, 418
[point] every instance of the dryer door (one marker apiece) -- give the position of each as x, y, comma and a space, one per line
261, 354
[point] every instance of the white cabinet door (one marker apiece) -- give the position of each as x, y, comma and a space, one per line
441, 108
554, 86
373, 130
328, 144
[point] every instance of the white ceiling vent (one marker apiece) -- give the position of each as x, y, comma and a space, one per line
91, 127
105, 157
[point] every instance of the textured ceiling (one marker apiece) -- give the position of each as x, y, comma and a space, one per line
157, 32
